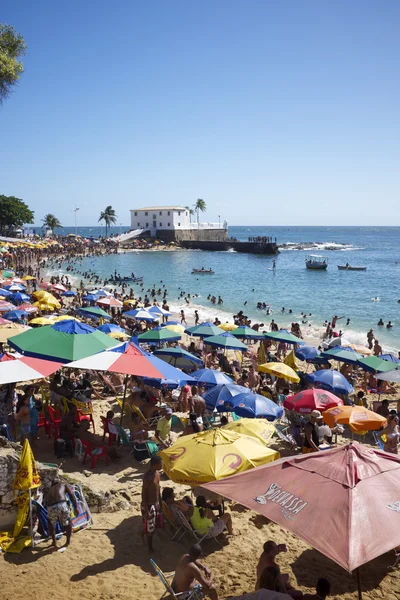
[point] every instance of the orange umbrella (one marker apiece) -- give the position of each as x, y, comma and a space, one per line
357, 417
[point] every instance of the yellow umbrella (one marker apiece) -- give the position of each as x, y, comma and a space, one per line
214, 454
228, 326
28, 278
260, 429
358, 418
45, 306
129, 302
175, 328
41, 321
290, 360
7, 331
27, 476
118, 335
56, 319
44, 296
280, 370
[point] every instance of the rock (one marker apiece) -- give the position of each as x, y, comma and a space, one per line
125, 495
123, 505
87, 473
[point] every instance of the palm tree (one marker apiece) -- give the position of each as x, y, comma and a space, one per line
108, 216
190, 211
51, 221
200, 206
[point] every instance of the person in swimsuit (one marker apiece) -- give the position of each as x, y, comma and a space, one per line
190, 574
392, 435
23, 417
151, 500
58, 509
311, 435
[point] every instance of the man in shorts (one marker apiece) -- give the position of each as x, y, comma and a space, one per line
59, 510
151, 500
191, 574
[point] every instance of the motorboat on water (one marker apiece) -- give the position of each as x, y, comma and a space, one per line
316, 262
348, 267
203, 271
117, 279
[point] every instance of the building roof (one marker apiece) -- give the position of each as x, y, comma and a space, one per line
150, 208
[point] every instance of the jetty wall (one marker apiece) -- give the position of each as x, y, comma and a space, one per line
224, 246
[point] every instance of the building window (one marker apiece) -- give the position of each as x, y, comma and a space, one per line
160, 213
138, 224
169, 213
179, 213
179, 224
169, 224
147, 224
146, 214
135, 213
160, 224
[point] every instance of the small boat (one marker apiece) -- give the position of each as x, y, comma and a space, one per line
203, 271
350, 268
318, 263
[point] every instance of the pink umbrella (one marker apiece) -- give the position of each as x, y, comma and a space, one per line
4, 321
309, 400
59, 287
27, 307
109, 302
344, 502
6, 306
25, 368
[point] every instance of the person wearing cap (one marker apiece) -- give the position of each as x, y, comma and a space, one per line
311, 434
163, 430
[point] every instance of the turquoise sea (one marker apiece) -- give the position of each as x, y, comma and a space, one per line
321, 293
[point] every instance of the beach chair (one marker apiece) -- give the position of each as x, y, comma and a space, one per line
166, 579
397, 558
199, 537
112, 437
53, 424
282, 431
177, 528
95, 453
84, 411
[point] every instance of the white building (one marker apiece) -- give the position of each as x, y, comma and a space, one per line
174, 223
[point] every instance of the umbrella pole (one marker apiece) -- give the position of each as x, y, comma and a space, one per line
359, 583
123, 401
31, 518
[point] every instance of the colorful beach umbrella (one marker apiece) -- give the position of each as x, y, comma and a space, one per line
331, 380
177, 327
94, 311
247, 333
225, 340
63, 342
283, 336
228, 326
223, 392
25, 368
8, 331
342, 354
348, 495
110, 328
251, 406
28, 307
159, 334
210, 377
309, 354
20, 297
376, 364
314, 399
69, 294
261, 429
158, 310
211, 455
280, 370
393, 376
27, 476
203, 330
6, 306
140, 314
358, 418
178, 357
110, 301
15, 315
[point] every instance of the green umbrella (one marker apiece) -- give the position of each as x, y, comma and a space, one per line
283, 336
245, 332
159, 334
225, 340
204, 330
64, 342
95, 311
374, 363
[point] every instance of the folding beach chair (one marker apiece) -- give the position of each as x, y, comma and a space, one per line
194, 594
397, 558
199, 537
177, 528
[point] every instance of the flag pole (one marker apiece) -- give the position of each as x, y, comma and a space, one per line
359, 583
123, 400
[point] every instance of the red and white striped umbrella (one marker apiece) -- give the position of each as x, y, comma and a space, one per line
109, 301
28, 307
6, 306
59, 287
4, 321
26, 368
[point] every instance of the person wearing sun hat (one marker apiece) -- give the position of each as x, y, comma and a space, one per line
163, 429
311, 435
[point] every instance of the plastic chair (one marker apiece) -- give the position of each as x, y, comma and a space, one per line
112, 437
91, 451
53, 422
84, 412
165, 579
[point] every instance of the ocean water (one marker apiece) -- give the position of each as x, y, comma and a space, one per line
321, 293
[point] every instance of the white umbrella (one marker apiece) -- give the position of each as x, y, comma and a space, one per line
393, 375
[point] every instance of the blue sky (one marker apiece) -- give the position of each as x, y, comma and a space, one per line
275, 113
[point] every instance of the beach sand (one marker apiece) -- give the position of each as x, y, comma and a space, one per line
110, 561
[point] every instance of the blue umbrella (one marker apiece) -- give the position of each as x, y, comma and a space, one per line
19, 297
251, 406
169, 384
389, 357
5, 293
15, 287
90, 298
15, 315
170, 323
72, 326
110, 328
307, 353
210, 377
141, 314
223, 392
69, 293
157, 310
331, 380
178, 357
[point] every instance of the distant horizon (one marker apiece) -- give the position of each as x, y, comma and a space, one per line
113, 227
